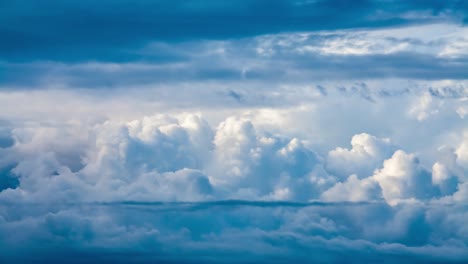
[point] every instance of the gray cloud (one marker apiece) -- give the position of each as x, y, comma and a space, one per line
414, 52
234, 232
109, 31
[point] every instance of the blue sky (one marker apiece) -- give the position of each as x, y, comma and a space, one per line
233, 131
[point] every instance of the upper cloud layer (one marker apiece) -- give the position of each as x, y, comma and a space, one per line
109, 30
417, 52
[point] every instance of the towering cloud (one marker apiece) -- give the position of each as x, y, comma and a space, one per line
402, 177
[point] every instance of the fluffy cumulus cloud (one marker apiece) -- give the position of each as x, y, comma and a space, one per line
233, 131
156, 158
265, 166
235, 185
162, 158
402, 177
222, 184
366, 155
183, 158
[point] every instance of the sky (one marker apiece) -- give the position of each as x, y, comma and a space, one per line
236, 131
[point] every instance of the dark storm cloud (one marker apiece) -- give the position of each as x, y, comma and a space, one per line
110, 30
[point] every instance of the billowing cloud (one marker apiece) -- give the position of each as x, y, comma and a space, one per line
163, 167
184, 158
263, 165
233, 131
162, 158
447, 172
402, 177
365, 156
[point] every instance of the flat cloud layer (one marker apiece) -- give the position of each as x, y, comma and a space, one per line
241, 132
231, 232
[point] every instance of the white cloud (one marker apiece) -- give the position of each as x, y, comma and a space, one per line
403, 178
354, 190
144, 159
444, 40
424, 107
462, 152
267, 166
162, 157
183, 157
446, 173
366, 155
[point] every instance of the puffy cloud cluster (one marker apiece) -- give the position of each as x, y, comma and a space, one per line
156, 158
252, 165
402, 177
82, 186
367, 154
160, 158
183, 158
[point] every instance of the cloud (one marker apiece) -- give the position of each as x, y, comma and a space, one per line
238, 132
7, 178
184, 158
234, 232
462, 151
157, 186
424, 108
271, 58
262, 165
447, 172
115, 161
157, 158
367, 154
354, 190
109, 31
402, 178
